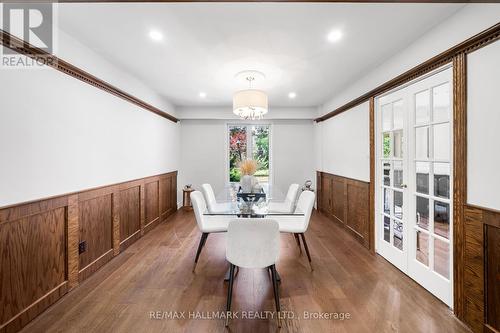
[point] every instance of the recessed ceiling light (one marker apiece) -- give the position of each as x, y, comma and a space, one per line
155, 35
202, 94
292, 95
334, 36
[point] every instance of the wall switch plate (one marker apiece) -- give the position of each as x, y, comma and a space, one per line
82, 247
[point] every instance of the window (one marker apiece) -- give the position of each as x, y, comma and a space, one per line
249, 142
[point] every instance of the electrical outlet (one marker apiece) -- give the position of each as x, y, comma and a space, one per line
82, 247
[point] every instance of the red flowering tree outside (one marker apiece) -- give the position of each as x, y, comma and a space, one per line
237, 151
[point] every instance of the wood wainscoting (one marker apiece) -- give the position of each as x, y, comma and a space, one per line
39, 254
481, 271
347, 202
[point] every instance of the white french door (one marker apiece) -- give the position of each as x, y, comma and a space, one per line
413, 181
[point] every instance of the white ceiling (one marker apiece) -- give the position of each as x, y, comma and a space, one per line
205, 45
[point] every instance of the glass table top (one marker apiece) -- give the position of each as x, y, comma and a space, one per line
251, 205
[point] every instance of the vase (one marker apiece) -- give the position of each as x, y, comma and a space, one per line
247, 183
257, 188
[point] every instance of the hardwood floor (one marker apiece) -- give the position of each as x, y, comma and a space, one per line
154, 274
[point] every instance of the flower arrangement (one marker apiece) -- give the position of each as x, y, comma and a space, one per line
248, 167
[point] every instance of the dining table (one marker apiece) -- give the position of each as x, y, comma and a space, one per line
231, 201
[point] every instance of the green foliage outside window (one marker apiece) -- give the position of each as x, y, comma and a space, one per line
238, 150
387, 146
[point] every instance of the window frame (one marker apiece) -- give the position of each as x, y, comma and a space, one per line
249, 147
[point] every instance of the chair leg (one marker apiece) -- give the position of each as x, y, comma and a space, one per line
276, 293
229, 293
307, 250
297, 239
203, 239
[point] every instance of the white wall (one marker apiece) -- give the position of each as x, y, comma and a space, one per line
343, 144
203, 152
59, 135
80, 55
293, 153
467, 22
483, 120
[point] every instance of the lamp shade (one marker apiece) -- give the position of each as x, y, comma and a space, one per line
250, 103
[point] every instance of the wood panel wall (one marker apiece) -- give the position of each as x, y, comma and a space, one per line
347, 202
131, 222
481, 271
39, 253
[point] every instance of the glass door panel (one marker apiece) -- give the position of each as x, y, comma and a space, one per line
413, 179
392, 152
431, 150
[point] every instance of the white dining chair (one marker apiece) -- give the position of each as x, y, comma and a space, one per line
206, 224
288, 205
253, 243
213, 206
298, 224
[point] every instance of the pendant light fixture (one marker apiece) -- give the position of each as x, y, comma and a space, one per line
250, 103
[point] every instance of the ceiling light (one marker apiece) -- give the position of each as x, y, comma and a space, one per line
155, 35
250, 103
203, 94
292, 95
334, 36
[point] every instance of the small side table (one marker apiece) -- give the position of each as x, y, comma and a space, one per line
186, 198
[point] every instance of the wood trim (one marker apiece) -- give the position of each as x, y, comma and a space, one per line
65, 67
477, 41
95, 265
96, 193
488, 329
459, 178
21, 319
491, 210
479, 222
148, 227
19, 211
372, 175
491, 271
142, 195
130, 240
116, 220
73, 230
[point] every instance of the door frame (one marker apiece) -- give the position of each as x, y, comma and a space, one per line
374, 182
458, 62
408, 203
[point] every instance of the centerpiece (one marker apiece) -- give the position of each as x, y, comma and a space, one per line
250, 192
248, 182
